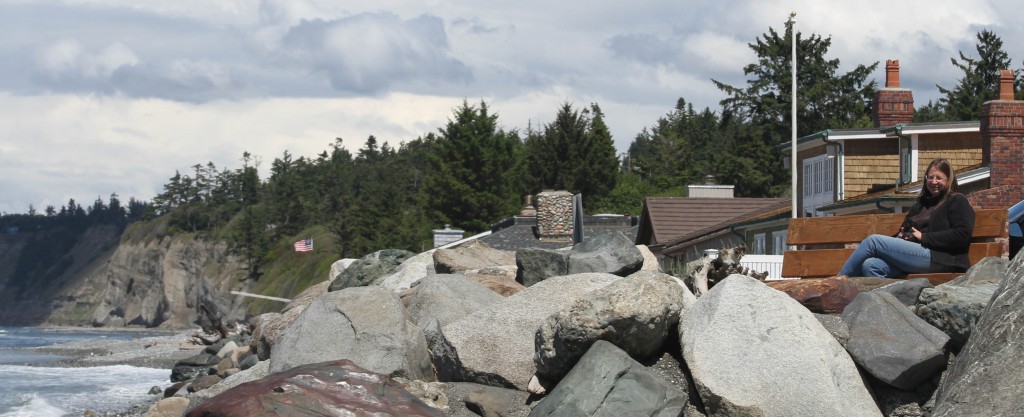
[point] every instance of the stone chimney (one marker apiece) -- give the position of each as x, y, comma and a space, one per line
893, 105
554, 216
1002, 146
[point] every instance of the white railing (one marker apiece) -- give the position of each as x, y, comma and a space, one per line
762, 263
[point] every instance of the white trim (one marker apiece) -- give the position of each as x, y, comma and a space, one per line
968, 178
858, 137
912, 131
914, 149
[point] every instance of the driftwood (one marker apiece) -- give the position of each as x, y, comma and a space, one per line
714, 269
213, 322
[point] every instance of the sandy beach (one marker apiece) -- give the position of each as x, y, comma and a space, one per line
161, 350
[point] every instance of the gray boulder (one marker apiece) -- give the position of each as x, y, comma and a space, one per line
370, 268
754, 351
607, 382
449, 297
650, 259
495, 345
954, 308
835, 326
410, 272
990, 270
534, 265
986, 379
891, 343
260, 370
634, 314
471, 256
367, 325
611, 253
268, 326
339, 266
907, 291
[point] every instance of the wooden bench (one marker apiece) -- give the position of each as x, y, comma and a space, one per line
823, 240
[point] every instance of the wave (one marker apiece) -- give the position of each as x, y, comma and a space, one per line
32, 405
31, 390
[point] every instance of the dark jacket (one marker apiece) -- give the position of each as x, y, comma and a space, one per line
949, 233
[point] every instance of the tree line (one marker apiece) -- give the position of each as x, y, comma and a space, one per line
471, 172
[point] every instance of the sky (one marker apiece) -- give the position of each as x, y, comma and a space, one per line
113, 96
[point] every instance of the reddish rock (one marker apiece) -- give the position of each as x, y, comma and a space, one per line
319, 389
824, 295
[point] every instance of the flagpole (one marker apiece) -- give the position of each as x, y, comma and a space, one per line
792, 29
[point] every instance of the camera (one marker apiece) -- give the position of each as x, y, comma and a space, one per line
907, 229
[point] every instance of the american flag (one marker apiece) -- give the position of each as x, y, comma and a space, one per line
305, 245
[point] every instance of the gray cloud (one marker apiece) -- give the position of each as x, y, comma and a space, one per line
370, 52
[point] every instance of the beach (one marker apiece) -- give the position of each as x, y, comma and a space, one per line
105, 371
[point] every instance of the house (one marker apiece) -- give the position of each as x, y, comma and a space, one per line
880, 170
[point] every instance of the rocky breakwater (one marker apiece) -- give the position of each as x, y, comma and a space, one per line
437, 342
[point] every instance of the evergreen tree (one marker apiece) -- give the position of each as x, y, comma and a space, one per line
980, 82
574, 153
475, 170
825, 99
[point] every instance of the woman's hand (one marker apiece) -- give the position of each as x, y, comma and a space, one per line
915, 233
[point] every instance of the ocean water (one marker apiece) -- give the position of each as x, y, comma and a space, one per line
30, 388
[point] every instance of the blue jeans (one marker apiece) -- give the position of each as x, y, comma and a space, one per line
885, 257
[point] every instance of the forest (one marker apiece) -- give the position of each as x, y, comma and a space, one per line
471, 173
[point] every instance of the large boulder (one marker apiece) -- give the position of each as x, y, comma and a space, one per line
267, 326
260, 370
826, 295
954, 307
907, 291
892, 343
338, 266
634, 314
495, 345
650, 259
367, 325
611, 253
534, 265
410, 272
986, 379
498, 280
449, 297
471, 256
319, 389
607, 382
754, 351
370, 269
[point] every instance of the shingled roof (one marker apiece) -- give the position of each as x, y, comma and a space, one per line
665, 219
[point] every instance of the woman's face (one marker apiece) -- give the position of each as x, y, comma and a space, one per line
936, 181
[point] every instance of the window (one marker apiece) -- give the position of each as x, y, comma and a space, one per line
819, 187
778, 242
758, 248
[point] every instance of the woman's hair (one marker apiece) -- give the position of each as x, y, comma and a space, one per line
943, 166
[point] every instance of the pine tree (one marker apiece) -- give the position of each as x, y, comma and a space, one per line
980, 82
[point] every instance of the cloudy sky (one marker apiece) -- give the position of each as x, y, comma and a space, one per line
105, 96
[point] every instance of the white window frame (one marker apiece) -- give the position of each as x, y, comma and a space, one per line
779, 241
759, 241
819, 187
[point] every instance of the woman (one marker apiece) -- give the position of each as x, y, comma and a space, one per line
936, 241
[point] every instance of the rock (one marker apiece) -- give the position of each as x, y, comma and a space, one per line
222, 367
267, 326
986, 378
607, 382
633, 314
248, 362
410, 272
338, 266
989, 270
193, 366
688, 297
175, 389
470, 400
260, 370
495, 345
225, 351
611, 253
319, 389
865, 284
370, 268
431, 393
891, 343
498, 280
825, 295
472, 256
367, 325
168, 407
835, 326
203, 382
534, 265
650, 260
954, 308
742, 334
155, 390
907, 291
446, 363
449, 297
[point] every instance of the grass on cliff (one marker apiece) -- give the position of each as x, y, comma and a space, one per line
287, 273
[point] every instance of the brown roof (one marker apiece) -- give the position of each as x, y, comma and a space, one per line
765, 212
667, 218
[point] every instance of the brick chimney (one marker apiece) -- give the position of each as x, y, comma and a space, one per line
554, 216
893, 105
1002, 146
